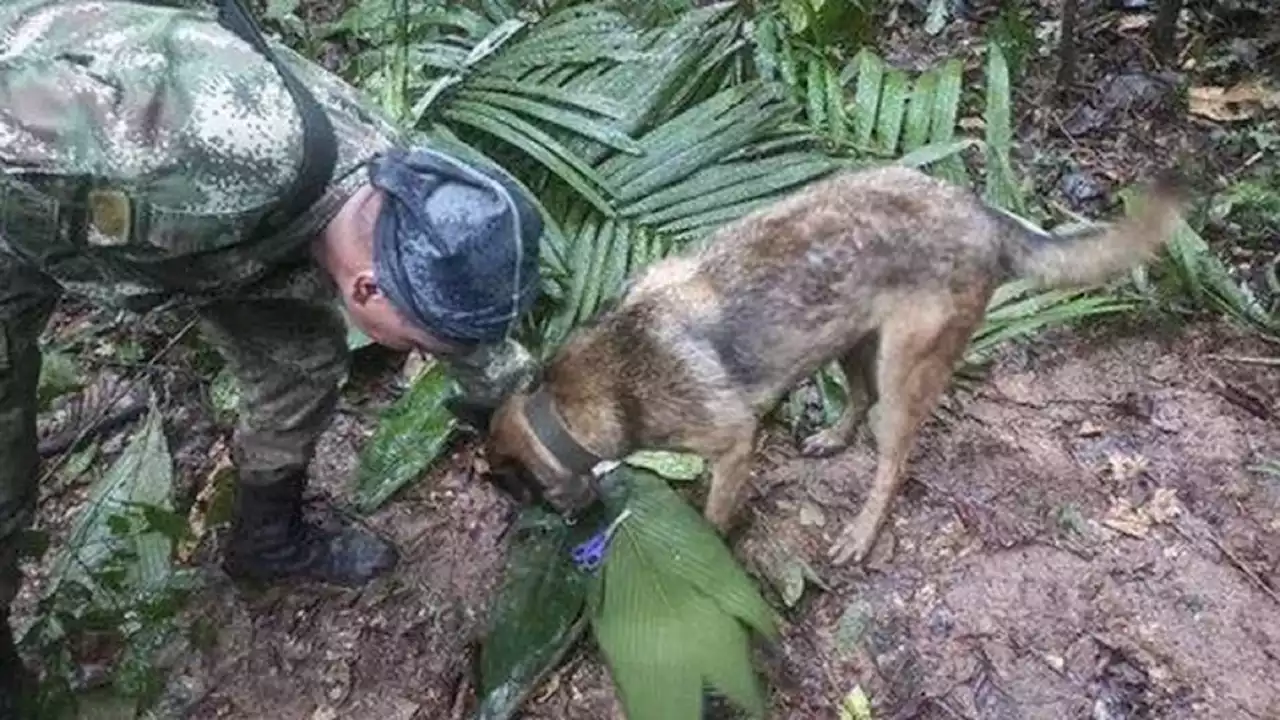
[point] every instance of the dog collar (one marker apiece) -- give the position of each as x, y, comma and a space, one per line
549, 428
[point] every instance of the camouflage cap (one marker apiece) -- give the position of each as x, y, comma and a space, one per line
455, 245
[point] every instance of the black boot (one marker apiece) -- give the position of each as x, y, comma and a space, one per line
17, 684
271, 541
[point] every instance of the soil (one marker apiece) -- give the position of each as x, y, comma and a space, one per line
1081, 534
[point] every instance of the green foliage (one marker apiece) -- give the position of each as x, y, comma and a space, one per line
115, 579
536, 616
672, 610
411, 435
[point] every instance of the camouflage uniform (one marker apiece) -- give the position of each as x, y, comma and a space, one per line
138, 144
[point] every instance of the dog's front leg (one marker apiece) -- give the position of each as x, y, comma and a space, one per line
730, 471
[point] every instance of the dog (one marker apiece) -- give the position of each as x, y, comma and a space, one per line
887, 271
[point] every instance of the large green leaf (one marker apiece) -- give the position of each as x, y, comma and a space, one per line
410, 436
674, 609
1002, 188
142, 477
536, 616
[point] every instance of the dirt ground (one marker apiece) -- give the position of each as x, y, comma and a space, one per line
1081, 535
1081, 539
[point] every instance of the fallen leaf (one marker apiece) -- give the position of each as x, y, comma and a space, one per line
1089, 429
811, 515
1234, 104
199, 516
1055, 661
1129, 23
1123, 467
856, 705
1124, 518
1164, 505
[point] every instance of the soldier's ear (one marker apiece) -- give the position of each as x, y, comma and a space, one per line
363, 288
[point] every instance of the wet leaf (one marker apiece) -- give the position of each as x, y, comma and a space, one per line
670, 465
409, 438
536, 616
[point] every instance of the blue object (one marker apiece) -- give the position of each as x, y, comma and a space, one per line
589, 555
455, 245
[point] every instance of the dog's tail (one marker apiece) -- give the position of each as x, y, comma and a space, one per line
1053, 260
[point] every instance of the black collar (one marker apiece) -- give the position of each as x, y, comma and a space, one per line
548, 427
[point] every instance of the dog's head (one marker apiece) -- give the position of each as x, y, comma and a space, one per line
529, 446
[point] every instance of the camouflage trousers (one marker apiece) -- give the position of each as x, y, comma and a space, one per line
283, 338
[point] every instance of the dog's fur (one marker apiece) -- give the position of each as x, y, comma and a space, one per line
888, 271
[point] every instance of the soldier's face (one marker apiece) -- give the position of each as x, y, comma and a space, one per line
377, 318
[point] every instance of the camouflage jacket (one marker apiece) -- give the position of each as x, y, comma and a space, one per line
140, 142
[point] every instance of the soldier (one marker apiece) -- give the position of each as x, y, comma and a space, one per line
160, 155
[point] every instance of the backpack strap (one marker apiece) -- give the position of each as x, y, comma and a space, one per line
319, 144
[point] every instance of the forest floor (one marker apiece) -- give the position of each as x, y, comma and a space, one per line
1081, 536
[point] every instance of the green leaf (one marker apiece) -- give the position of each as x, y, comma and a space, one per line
575, 122
224, 392
670, 465
856, 705
816, 93
893, 109
1002, 189
536, 617
937, 19
866, 99
408, 439
59, 375
536, 143
142, 475
946, 114
674, 607
920, 111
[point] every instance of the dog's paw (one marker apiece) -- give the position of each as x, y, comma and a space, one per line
824, 444
853, 544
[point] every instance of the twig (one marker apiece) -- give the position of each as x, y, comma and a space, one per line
66, 442
1239, 564
125, 389
1246, 360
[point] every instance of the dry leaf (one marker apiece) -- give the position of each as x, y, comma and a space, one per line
1089, 429
1124, 518
197, 516
1164, 505
811, 515
1134, 22
1122, 467
1240, 102
1136, 522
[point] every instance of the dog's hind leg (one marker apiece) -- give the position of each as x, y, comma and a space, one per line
859, 366
919, 346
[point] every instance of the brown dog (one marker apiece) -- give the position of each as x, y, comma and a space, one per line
887, 270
